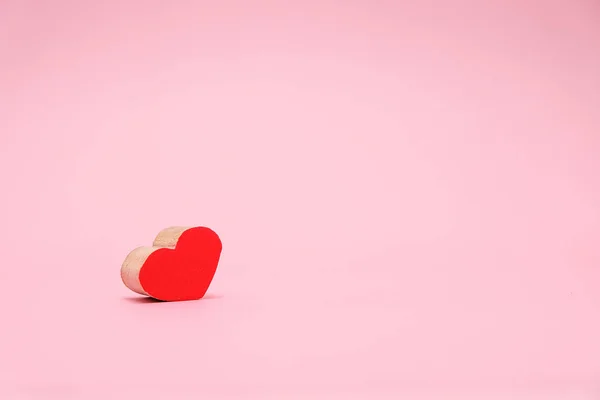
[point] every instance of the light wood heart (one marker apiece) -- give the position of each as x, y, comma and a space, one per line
179, 266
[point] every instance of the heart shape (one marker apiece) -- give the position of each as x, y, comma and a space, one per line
179, 266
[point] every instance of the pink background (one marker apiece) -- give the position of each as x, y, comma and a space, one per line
408, 196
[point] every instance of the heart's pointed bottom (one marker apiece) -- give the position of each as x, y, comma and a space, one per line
189, 284
174, 298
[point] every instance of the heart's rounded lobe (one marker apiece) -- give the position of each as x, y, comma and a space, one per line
185, 271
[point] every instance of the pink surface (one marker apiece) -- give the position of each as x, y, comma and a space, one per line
408, 197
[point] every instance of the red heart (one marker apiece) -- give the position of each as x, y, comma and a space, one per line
180, 265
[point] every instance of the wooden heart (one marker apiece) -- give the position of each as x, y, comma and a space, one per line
179, 266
